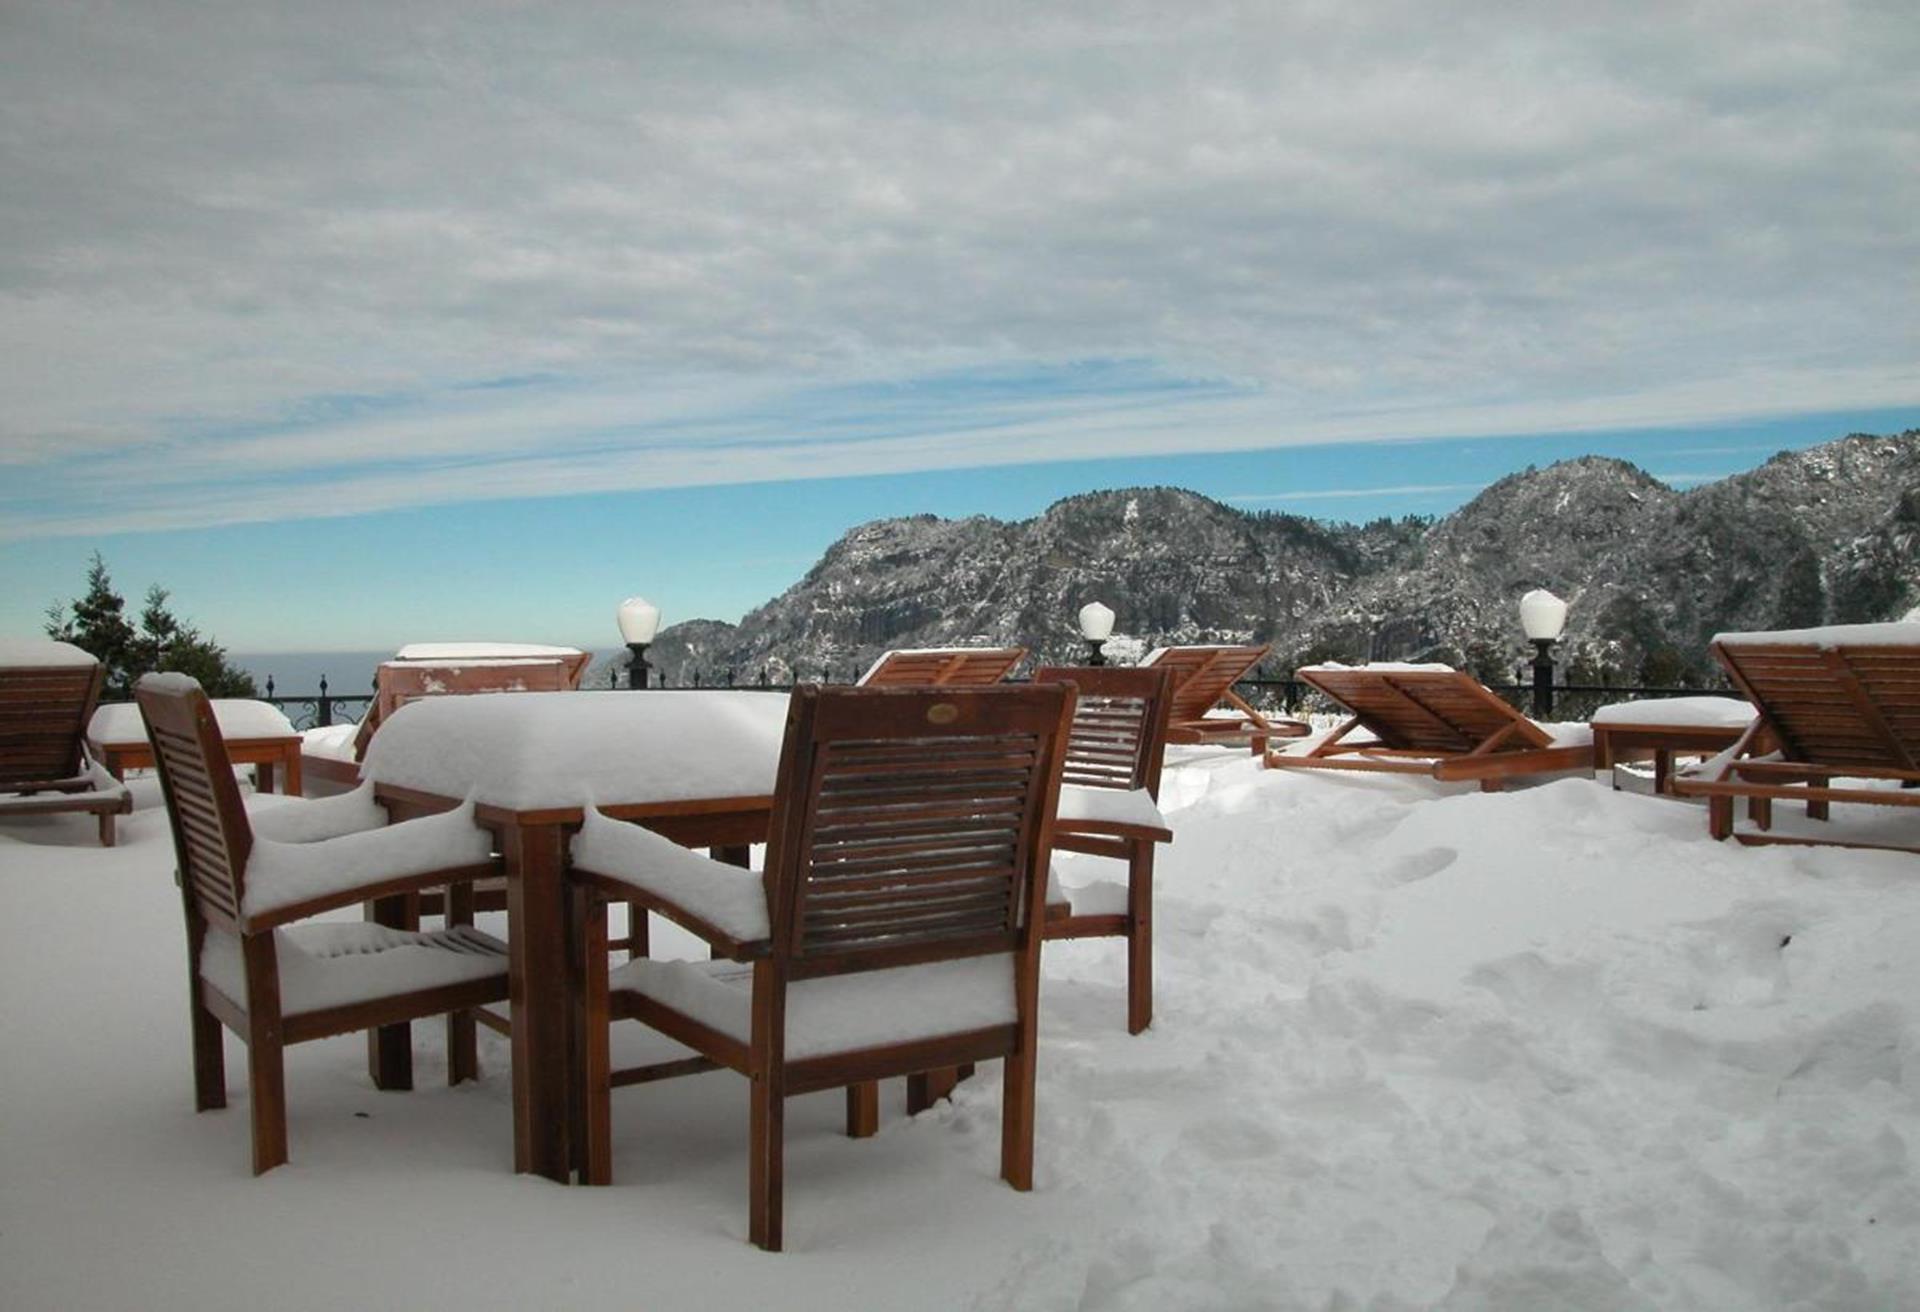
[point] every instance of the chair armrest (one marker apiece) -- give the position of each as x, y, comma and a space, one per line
722, 903
288, 881
1121, 812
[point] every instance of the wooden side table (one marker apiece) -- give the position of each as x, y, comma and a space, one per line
1658, 729
257, 734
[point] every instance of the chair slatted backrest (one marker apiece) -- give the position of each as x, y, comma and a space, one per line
1119, 735
1441, 711
44, 711
211, 837
911, 823
943, 667
1203, 675
1847, 704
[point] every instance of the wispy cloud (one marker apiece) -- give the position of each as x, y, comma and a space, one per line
265, 260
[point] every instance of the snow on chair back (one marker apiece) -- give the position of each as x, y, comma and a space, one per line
912, 825
47, 692
1842, 696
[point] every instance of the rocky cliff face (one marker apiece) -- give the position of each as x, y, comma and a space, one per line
1826, 535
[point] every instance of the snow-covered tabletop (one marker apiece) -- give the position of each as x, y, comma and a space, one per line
472, 651
1893, 634
537, 750
1679, 712
120, 722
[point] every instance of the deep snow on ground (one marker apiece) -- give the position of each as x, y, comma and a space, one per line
1414, 1047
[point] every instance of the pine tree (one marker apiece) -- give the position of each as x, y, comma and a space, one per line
98, 624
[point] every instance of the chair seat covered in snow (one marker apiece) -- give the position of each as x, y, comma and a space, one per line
1436, 721
1109, 807
942, 667
1839, 721
47, 694
243, 885
895, 930
1203, 679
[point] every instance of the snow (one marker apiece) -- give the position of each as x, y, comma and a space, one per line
479, 651
726, 897
282, 874
566, 749
1379, 667
332, 740
1718, 712
1114, 806
1415, 1046
41, 653
838, 1013
1900, 633
120, 722
334, 965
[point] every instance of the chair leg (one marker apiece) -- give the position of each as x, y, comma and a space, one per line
106, 829
638, 944
767, 1164
863, 1109
593, 1046
1016, 1115
766, 1068
390, 1047
1140, 938
209, 1059
266, 1069
463, 1047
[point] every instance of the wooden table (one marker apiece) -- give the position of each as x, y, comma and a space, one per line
257, 734
1660, 727
698, 767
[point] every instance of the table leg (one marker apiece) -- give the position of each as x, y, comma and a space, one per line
292, 760
537, 944
263, 776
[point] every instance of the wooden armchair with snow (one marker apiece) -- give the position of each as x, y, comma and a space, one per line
243, 885
895, 930
1109, 806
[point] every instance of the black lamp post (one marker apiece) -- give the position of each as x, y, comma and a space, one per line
1096, 626
639, 621
1543, 617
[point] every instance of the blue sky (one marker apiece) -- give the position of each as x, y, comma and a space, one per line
361, 323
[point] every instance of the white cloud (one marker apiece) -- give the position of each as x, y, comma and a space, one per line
254, 258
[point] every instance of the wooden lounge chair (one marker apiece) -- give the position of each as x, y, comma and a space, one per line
47, 694
1203, 679
942, 667
896, 929
1109, 806
1431, 720
242, 886
1835, 703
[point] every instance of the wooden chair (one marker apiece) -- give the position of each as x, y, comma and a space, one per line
47, 694
1109, 807
942, 667
896, 929
1841, 702
273, 982
1203, 679
1431, 720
